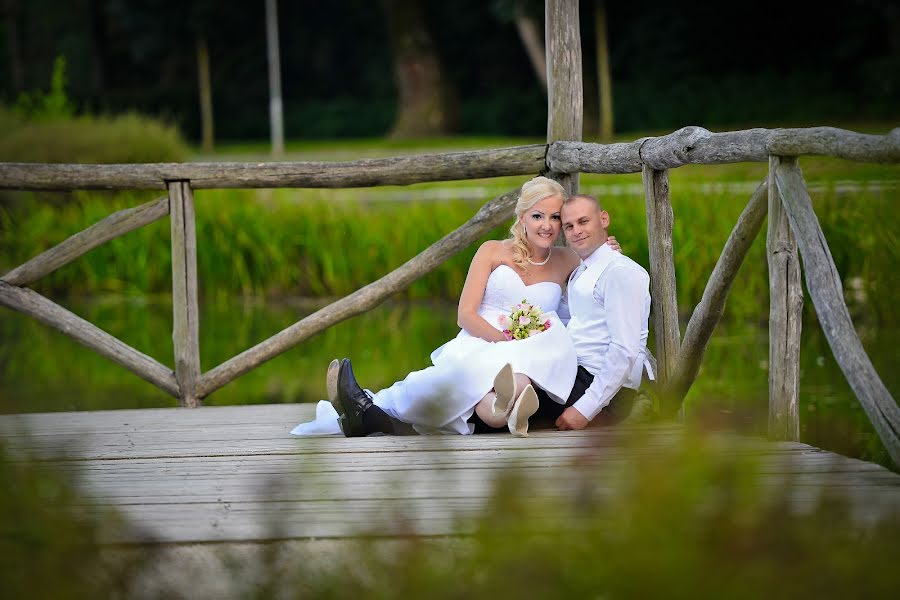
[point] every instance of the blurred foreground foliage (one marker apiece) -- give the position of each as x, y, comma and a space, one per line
50, 536
697, 520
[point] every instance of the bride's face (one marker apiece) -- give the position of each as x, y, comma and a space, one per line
542, 223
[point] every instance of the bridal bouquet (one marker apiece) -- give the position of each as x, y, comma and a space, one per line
524, 321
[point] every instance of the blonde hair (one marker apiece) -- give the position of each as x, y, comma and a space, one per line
539, 188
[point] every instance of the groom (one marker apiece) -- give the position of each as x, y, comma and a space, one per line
609, 304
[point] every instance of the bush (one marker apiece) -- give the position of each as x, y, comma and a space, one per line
43, 128
128, 138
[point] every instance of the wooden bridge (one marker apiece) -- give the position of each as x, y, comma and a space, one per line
184, 475
235, 474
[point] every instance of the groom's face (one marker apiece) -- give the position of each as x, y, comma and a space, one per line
585, 225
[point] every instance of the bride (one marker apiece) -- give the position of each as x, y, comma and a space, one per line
480, 381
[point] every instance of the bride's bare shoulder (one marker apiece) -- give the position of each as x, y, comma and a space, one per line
501, 249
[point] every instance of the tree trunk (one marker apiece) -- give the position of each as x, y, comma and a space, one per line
604, 80
206, 106
16, 69
425, 102
530, 34
275, 107
99, 47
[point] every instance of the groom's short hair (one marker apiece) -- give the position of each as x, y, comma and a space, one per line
587, 197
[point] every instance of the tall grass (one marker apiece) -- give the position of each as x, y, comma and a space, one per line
329, 243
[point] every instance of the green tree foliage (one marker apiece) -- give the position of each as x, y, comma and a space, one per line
337, 63
51, 105
43, 127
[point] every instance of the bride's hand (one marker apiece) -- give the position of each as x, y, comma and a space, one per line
613, 243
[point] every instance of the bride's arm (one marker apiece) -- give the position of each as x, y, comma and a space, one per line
473, 292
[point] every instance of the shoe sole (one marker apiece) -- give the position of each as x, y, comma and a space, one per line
504, 391
525, 407
331, 379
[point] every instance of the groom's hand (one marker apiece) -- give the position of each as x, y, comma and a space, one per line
571, 420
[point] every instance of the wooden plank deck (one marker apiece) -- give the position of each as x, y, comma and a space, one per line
235, 474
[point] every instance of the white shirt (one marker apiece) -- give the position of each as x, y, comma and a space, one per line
614, 349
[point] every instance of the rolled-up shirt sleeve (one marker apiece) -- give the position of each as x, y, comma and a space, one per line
623, 291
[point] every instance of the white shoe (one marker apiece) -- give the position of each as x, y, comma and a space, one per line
504, 391
526, 405
331, 379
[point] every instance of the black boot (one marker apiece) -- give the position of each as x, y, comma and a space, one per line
351, 402
357, 415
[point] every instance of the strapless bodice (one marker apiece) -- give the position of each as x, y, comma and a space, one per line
505, 288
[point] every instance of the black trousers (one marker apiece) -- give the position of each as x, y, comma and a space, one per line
549, 410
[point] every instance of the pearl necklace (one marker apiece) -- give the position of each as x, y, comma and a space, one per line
544, 262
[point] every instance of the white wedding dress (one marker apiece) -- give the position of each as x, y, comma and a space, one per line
441, 398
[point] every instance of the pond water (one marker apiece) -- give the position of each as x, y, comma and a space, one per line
42, 370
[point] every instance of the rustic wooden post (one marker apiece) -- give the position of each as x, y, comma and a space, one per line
565, 96
660, 220
824, 285
785, 315
184, 292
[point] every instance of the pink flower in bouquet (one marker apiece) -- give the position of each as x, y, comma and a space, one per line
524, 321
